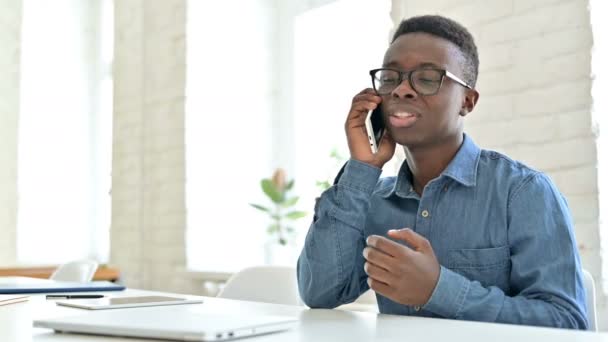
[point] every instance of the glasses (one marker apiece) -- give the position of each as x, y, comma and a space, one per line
424, 81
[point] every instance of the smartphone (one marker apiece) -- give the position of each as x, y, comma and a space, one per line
374, 125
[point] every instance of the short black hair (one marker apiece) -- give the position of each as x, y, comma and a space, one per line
450, 30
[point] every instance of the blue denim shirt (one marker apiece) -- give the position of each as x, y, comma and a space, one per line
501, 231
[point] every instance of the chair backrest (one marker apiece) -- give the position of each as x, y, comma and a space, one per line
591, 305
268, 284
76, 271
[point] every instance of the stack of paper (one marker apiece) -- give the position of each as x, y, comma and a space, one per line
9, 299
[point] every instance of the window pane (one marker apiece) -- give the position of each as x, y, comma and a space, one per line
228, 131
64, 133
328, 41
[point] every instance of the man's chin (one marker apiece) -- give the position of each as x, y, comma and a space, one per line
407, 140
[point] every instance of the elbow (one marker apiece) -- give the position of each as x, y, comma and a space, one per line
312, 293
572, 317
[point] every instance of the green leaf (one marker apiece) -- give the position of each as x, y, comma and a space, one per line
271, 191
259, 207
272, 229
324, 185
294, 215
289, 185
291, 202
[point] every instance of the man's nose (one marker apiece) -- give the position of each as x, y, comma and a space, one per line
404, 90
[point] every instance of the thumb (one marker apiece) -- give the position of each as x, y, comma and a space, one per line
417, 241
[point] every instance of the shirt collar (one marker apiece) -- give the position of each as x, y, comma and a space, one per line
462, 169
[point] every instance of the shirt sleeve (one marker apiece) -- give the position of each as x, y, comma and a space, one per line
330, 267
546, 276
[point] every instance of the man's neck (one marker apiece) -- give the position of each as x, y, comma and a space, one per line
428, 162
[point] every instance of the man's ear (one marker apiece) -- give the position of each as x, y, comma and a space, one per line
471, 97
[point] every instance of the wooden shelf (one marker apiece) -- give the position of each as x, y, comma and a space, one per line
102, 273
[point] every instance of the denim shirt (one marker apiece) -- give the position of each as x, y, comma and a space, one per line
501, 232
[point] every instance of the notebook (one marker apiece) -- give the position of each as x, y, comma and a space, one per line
10, 299
158, 323
18, 285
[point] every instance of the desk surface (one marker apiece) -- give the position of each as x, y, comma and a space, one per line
315, 325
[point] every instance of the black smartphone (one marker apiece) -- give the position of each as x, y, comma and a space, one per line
374, 125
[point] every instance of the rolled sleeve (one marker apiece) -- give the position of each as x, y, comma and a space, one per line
449, 294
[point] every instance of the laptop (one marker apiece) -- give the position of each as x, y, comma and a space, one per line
178, 325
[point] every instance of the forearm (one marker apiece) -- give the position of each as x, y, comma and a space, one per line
457, 297
330, 267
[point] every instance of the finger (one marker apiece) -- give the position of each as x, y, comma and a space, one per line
367, 91
389, 247
367, 97
417, 241
378, 273
363, 107
358, 113
379, 287
378, 258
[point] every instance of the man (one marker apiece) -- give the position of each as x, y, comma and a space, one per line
461, 232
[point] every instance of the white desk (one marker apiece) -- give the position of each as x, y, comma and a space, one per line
315, 325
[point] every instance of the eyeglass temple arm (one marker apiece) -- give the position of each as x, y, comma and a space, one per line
457, 79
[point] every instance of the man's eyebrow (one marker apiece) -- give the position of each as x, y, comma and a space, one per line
394, 64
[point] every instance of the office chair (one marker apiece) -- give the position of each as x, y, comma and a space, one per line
76, 271
268, 284
591, 305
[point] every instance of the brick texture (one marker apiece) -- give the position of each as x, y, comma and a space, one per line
148, 209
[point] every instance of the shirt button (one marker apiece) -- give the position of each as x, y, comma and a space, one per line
416, 308
425, 213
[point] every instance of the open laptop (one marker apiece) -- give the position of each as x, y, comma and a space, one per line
179, 325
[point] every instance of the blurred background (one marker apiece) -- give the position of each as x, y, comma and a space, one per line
137, 133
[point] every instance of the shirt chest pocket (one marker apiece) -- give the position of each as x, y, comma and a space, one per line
489, 266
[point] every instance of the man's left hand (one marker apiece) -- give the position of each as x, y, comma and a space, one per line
404, 275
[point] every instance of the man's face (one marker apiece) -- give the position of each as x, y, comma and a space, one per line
436, 118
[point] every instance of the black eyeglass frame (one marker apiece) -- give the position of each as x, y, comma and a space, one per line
408, 75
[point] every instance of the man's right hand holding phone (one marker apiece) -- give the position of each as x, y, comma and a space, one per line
356, 134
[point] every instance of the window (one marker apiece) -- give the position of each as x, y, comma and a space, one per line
64, 151
228, 131
257, 99
331, 67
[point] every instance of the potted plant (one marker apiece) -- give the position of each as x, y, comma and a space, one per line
337, 161
281, 213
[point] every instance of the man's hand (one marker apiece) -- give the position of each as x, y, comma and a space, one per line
403, 274
358, 142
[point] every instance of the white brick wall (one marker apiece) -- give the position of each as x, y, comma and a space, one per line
148, 209
535, 105
10, 35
